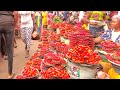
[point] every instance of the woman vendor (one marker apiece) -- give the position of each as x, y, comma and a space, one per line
96, 21
112, 34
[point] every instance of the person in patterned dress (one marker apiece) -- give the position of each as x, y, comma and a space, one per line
26, 23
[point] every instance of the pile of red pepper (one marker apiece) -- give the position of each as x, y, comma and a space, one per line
51, 59
43, 51
68, 30
53, 73
83, 54
30, 72
36, 55
61, 47
108, 56
43, 38
61, 54
52, 45
45, 33
114, 57
109, 46
54, 37
53, 67
35, 63
43, 44
20, 77
65, 29
53, 25
83, 37
32, 68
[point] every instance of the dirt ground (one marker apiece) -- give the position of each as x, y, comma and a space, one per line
19, 59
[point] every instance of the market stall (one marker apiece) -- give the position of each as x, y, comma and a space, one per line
67, 51
110, 53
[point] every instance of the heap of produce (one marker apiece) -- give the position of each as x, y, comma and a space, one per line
81, 37
44, 35
53, 66
44, 51
109, 46
53, 37
30, 72
51, 59
61, 47
53, 73
83, 55
20, 76
35, 63
115, 57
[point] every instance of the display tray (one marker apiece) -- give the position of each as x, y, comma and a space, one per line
115, 66
103, 52
103, 55
113, 62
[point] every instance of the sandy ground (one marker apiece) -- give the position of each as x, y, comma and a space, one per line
19, 59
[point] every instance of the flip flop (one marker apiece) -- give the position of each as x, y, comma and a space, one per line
5, 57
11, 76
27, 56
15, 46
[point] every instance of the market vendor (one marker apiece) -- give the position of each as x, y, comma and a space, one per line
96, 21
112, 34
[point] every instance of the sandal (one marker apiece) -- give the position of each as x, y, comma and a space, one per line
15, 46
11, 76
5, 57
27, 56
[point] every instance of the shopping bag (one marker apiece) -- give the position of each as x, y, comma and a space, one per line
34, 34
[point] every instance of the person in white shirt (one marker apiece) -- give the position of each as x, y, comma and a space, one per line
26, 24
112, 34
119, 13
81, 15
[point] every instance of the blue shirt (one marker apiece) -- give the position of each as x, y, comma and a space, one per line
65, 15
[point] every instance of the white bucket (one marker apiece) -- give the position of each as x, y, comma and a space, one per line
83, 71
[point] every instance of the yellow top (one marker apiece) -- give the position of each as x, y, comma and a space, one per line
44, 18
85, 26
100, 17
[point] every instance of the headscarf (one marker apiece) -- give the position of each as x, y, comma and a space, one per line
116, 17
